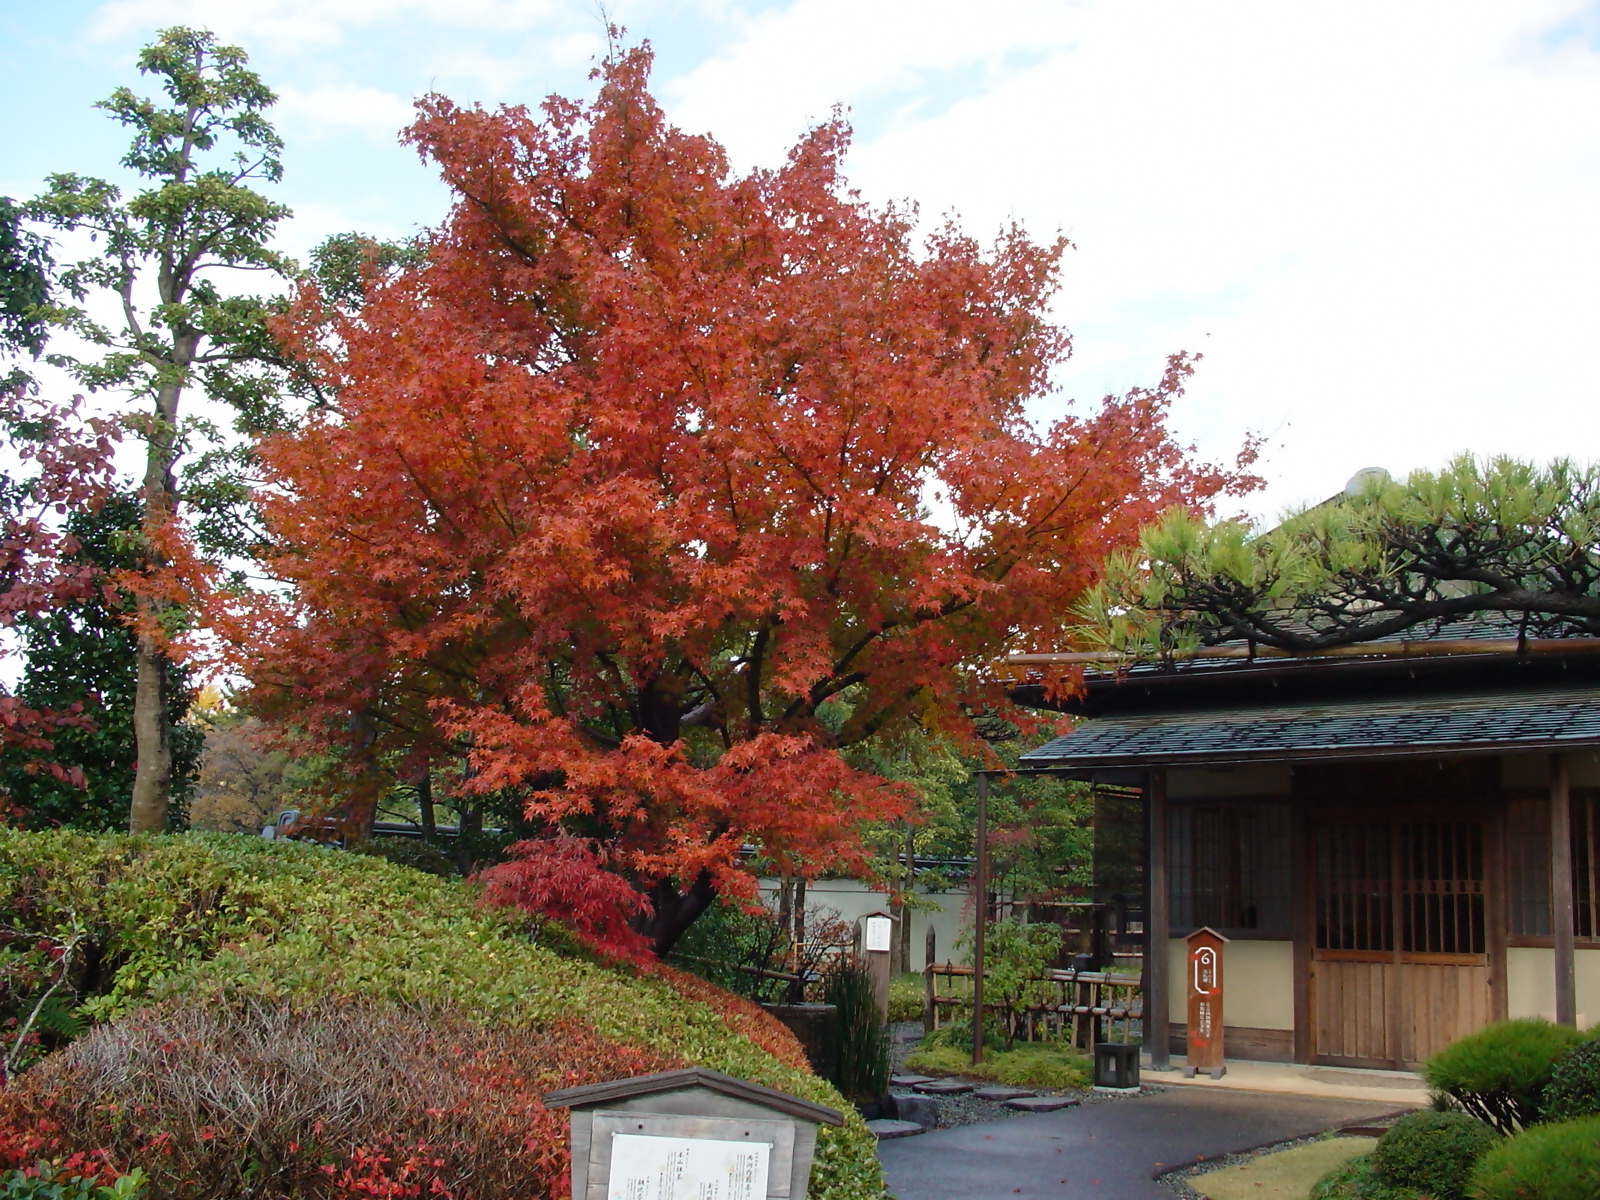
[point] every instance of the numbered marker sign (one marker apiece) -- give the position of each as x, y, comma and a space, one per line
1205, 1000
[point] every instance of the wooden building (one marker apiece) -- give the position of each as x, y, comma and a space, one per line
1402, 843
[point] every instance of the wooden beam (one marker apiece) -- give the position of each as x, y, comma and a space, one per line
1561, 911
1157, 923
980, 914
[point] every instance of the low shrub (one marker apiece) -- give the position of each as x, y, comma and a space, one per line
1499, 1073
238, 920
1433, 1152
1574, 1087
906, 997
52, 1181
1357, 1179
1547, 1162
410, 852
326, 1101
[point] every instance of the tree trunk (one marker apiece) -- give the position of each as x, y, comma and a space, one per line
674, 911
152, 776
425, 813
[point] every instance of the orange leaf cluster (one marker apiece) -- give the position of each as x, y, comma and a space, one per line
659, 485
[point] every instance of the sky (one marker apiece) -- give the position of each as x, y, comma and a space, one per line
1379, 223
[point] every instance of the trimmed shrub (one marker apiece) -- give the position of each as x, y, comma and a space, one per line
1039, 1065
415, 853
1433, 1152
327, 1101
863, 1042
1357, 1179
238, 920
1547, 1162
1499, 1073
1574, 1087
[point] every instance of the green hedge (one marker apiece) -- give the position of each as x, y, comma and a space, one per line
246, 917
1547, 1162
1574, 1087
1433, 1152
1500, 1072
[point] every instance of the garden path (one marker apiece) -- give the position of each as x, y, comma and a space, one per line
1108, 1151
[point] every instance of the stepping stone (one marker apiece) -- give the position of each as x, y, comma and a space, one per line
886, 1129
924, 1110
1003, 1093
909, 1080
1041, 1103
943, 1087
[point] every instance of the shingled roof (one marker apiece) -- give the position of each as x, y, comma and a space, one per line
1415, 726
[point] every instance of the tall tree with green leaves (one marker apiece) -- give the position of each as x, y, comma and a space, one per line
82, 657
161, 255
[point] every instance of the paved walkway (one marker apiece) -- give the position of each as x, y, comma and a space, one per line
1109, 1151
1398, 1089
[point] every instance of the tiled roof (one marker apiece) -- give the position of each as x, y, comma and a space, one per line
1436, 724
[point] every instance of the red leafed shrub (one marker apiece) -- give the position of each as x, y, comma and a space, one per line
565, 879
331, 1102
743, 1016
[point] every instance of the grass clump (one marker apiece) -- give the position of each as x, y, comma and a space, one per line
1548, 1162
1499, 1073
1358, 1179
907, 994
1028, 1064
232, 922
1433, 1152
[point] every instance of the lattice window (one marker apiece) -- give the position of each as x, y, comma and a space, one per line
1528, 863
1231, 867
1419, 881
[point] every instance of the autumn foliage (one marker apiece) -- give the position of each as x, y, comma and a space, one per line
659, 485
564, 878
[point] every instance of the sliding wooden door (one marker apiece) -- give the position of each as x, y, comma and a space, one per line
1400, 960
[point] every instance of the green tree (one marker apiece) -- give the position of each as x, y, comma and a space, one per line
26, 270
1500, 536
84, 653
160, 254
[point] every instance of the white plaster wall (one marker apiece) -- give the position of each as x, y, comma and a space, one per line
1257, 984
1531, 983
853, 899
1251, 779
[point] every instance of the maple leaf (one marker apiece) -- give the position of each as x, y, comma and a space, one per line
626, 503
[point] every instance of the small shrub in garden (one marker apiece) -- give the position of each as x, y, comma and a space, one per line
49, 1181
1433, 1152
1499, 1073
863, 1042
1574, 1087
1357, 1179
1547, 1162
409, 852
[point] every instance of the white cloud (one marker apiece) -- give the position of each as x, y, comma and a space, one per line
338, 108
1376, 220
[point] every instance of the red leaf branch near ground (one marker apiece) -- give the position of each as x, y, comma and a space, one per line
658, 486
565, 879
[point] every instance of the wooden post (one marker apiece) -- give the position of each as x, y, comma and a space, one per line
980, 914
927, 980
1157, 1019
1561, 913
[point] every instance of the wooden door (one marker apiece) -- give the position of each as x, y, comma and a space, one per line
1400, 962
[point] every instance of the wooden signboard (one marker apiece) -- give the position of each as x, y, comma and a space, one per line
875, 934
1205, 1003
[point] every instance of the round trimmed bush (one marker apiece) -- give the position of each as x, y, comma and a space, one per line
1547, 1162
1499, 1073
1433, 1152
1574, 1087
1357, 1179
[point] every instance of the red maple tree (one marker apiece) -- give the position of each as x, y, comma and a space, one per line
659, 485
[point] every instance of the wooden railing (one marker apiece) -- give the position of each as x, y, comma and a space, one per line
1085, 1006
